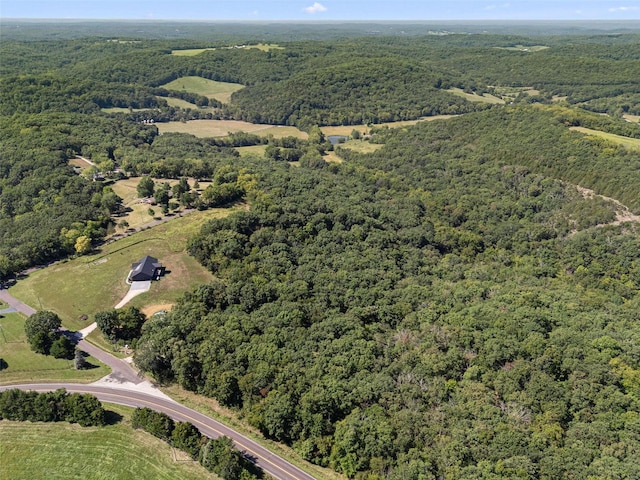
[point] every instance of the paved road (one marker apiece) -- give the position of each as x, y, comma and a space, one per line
269, 462
16, 304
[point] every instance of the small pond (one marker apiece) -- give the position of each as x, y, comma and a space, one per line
335, 139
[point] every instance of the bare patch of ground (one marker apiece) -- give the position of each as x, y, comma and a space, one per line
149, 310
623, 214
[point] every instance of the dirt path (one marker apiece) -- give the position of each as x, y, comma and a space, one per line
623, 214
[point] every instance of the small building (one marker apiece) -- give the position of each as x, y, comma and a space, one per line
148, 268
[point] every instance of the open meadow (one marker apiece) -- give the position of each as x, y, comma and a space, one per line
220, 91
23, 365
179, 103
222, 128
473, 97
627, 142
113, 452
93, 283
191, 52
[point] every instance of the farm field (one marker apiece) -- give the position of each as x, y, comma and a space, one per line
23, 365
221, 128
632, 118
627, 142
361, 146
123, 109
253, 150
93, 283
191, 52
472, 97
114, 452
179, 103
221, 91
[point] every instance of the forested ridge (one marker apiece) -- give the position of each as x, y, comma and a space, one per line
423, 311
447, 306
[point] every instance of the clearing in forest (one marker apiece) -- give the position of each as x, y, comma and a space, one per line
179, 103
221, 128
93, 283
627, 142
473, 97
191, 52
220, 91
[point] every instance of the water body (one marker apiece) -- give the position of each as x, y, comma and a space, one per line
336, 139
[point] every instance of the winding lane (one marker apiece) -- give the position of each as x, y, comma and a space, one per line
268, 461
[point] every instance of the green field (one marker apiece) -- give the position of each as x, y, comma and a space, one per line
89, 284
221, 91
472, 97
179, 103
26, 366
68, 451
221, 128
123, 110
191, 52
252, 151
627, 142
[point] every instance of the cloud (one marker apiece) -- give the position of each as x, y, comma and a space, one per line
624, 9
317, 7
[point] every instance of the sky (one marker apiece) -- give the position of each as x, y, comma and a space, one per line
324, 10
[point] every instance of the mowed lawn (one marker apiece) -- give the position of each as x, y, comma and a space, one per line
220, 91
68, 451
25, 366
627, 142
222, 128
93, 283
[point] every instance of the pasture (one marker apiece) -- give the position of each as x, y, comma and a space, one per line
191, 52
23, 365
93, 283
252, 151
123, 109
179, 103
627, 142
524, 48
472, 97
113, 452
221, 128
220, 91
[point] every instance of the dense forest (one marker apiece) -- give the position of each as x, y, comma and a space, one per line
447, 306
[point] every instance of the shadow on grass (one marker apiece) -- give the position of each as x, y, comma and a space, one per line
112, 418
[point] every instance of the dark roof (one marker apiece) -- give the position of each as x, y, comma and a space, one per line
145, 269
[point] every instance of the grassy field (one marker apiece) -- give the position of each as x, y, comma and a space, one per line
69, 451
254, 151
93, 283
123, 110
221, 91
627, 142
179, 103
472, 97
210, 407
631, 118
221, 128
190, 52
26, 366
361, 146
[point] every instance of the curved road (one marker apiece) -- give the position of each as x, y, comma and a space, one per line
117, 392
269, 462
